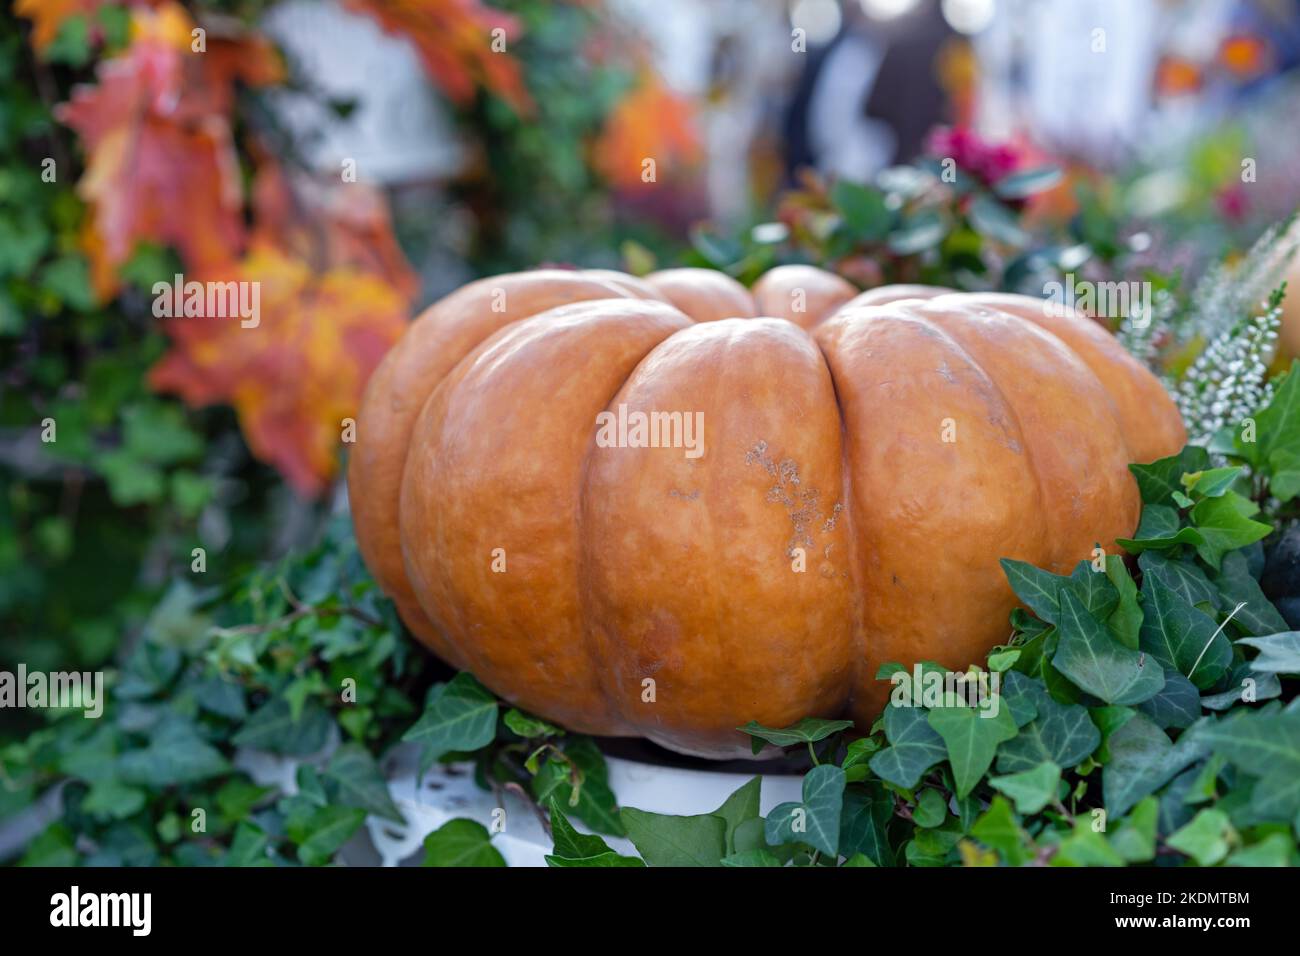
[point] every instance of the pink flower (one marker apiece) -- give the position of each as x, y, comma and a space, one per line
987, 162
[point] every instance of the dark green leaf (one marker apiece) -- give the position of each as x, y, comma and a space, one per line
1181, 637
1160, 529
810, 729
913, 748
354, 779
460, 715
1142, 759
665, 840
1097, 663
272, 728
816, 820
1158, 480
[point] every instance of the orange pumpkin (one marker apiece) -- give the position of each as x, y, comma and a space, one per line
866, 459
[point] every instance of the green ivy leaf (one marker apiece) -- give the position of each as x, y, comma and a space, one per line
1265, 744
574, 849
1030, 790
1097, 663
176, 755
592, 801
1160, 479
1125, 622
1135, 837
666, 840
931, 809
1243, 685
1178, 704
1185, 579
1206, 838
1142, 759
248, 848
742, 805
459, 716
1276, 849
971, 737
1237, 586
1037, 588
1225, 524
999, 829
864, 822
808, 730
461, 842
1084, 846
322, 834
353, 779
1278, 653
272, 728
1162, 529
1212, 482
759, 857
816, 820
914, 747
528, 726
1182, 638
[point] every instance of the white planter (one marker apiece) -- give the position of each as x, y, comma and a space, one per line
449, 791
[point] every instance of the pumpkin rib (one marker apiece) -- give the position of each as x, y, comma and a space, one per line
444, 334
469, 490
710, 541
1147, 416
705, 295
1054, 399
824, 293
926, 593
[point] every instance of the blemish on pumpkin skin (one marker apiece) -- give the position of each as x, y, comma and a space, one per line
803, 505
687, 495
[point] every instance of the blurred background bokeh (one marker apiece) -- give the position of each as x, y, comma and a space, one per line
361, 158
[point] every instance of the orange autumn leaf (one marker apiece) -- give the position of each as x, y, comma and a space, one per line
160, 162
48, 17
651, 122
455, 40
299, 372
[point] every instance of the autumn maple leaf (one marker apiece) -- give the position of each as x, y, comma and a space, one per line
161, 165
455, 40
298, 373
